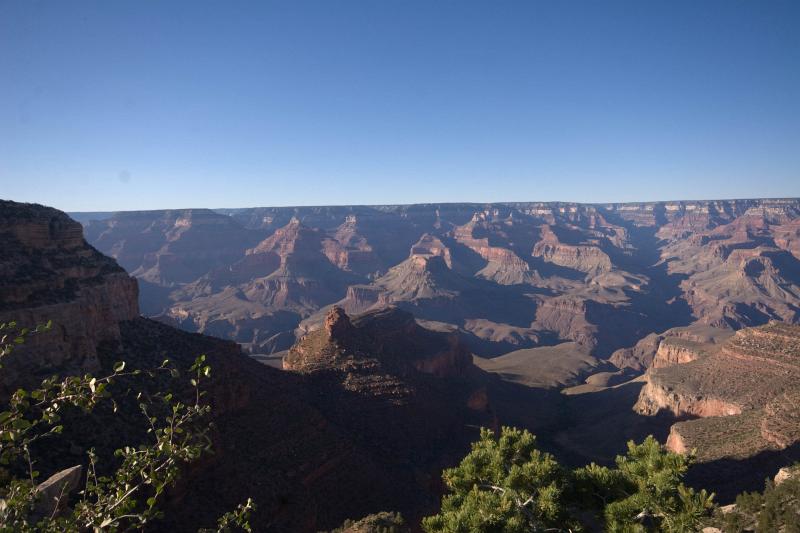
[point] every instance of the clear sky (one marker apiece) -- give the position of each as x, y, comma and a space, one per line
109, 105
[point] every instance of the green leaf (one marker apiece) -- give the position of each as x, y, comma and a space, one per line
20, 423
119, 367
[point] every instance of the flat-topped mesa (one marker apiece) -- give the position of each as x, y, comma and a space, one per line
748, 386
581, 257
49, 272
676, 351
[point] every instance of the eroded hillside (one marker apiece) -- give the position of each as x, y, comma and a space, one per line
504, 277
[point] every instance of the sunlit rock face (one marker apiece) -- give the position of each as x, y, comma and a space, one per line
605, 275
747, 386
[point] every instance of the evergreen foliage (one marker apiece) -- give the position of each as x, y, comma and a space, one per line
505, 484
375, 523
777, 508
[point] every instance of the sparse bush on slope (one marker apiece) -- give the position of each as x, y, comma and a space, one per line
83, 498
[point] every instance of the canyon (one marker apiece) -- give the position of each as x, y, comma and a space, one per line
374, 406
399, 330
503, 277
594, 300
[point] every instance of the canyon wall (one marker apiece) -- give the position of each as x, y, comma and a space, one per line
49, 273
746, 386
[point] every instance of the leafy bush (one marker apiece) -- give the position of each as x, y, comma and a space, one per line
128, 498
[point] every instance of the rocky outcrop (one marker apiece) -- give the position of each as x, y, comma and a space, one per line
638, 357
54, 492
300, 444
636, 269
490, 239
676, 351
583, 257
743, 392
566, 316
658, 397
431, 246
171, 247
388, 339
49, 273
683, 345
349, 250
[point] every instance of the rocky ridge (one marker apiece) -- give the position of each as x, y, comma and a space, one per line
747, 385
602, 275
49, 273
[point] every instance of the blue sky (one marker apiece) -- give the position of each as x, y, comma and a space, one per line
142, 105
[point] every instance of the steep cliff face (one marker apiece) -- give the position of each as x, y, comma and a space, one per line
581, 257
171, 247
675, 351
48, 272
311, 448
680, 345
626, 270
499, 242
658, 396
746, 386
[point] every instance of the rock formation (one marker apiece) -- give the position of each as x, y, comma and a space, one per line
746, 386
605, 276
49, 273
368, 428
389, 339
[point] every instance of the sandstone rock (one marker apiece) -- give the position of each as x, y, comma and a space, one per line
675, 351
388, 338
784, 474
744, 391
586, 258
630, 269
53, 493
49, 273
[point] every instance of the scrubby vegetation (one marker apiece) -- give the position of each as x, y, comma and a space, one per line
375, 523
91, 496
506, 484
775, 509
